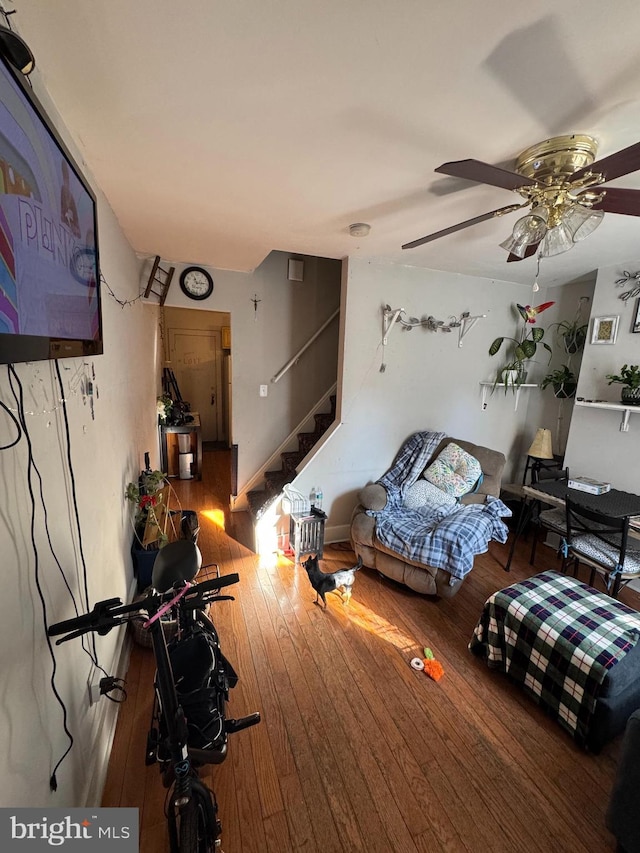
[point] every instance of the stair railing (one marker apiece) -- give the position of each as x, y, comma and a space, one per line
305, 347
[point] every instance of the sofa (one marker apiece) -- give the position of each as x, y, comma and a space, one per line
623, 815
383, 500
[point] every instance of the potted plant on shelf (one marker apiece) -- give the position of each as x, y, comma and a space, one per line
629, 378
563, 380
522, 349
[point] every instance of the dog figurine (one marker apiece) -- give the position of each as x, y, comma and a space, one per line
323, 582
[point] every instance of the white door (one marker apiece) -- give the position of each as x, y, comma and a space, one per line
196, 360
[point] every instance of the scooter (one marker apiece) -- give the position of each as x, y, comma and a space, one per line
189, 727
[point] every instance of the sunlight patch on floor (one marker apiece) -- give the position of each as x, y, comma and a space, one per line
215, 515
365, 618
268, 560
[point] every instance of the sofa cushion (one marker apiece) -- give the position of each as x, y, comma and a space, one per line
423, 493
373, 496
492, 463
454, 471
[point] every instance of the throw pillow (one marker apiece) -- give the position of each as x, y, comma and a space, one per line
454, 471
423, 493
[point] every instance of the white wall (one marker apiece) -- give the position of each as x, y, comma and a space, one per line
596, 447
429, 382
107, 451
263, 340
544, 409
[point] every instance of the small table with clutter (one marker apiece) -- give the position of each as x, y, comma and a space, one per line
181, 448
306, 532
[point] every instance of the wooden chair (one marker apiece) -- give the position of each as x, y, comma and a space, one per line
552, 520
601, 542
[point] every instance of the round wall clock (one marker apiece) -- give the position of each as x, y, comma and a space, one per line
196, 283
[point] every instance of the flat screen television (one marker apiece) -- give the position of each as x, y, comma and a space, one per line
49, 270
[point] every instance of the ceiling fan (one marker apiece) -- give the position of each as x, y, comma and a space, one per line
561, 183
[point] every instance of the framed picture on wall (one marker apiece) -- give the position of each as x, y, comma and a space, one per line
604, 330
636, 321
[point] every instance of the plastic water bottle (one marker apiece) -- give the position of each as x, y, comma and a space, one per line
319, 497
313, 497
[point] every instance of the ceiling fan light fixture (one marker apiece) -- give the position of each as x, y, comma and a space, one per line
556, 241
582, 221
527, 231
514, 247
531, 228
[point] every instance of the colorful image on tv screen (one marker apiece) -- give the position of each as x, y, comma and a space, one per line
48, 264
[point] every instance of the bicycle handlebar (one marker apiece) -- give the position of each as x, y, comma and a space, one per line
111, 612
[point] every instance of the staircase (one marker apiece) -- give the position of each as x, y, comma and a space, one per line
274, 481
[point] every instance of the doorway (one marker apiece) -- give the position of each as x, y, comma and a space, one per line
194, 349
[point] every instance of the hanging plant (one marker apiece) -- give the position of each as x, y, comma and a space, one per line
573, 333
564, 382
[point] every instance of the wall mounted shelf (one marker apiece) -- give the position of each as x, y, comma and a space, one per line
501, 387
616, 407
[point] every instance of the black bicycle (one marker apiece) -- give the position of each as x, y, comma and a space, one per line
189, 727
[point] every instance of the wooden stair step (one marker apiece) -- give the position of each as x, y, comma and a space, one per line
306, 440
291, 459
323, 421
275, 480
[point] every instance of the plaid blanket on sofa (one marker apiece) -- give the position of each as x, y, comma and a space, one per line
557, 638
447, 538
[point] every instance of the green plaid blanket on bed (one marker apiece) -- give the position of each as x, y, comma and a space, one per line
557, 637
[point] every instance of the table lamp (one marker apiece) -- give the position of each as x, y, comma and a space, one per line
541, 445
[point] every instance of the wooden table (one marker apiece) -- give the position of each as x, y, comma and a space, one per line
169, 446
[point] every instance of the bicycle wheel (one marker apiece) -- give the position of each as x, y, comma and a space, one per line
195, 835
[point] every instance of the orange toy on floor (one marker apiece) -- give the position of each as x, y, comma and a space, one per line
432, 667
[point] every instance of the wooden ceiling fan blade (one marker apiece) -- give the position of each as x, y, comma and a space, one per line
531, 249
501, 211
484, 173
619, 200
614, 166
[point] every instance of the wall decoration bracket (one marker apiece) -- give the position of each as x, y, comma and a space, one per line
467, 322
626, 278
390, 316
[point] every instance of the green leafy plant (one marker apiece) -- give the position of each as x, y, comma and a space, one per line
164, 405
563, 380
523, 348
148, 497
629, 376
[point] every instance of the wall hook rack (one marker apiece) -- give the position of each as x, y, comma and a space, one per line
391, 316
467, 322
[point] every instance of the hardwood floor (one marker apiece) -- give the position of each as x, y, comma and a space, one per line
357, 751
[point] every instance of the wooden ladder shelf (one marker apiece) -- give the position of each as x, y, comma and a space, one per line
160, 276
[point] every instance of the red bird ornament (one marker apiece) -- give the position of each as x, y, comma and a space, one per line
529, 313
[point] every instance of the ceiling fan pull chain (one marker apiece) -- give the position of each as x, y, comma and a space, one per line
536, 286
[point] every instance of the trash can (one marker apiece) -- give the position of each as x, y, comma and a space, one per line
185, 462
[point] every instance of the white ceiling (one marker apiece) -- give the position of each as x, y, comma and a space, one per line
222, 130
